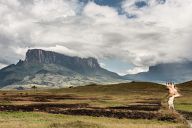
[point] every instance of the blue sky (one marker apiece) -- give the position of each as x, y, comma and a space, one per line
116, 65
111, 3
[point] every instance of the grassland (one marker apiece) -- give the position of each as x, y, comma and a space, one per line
184, 103
45, 120
128, 105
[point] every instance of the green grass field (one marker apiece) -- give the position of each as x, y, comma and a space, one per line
44, 120
128, 105
184, 103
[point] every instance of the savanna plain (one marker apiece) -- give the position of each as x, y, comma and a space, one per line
125, 105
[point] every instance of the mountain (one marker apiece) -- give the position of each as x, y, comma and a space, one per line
176, 72
51, 69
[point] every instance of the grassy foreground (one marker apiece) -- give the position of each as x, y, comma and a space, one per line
45, 120
128, 105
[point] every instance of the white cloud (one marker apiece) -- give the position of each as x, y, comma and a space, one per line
136, 70
165, 31
2, 66
102, 64
43, 9
100, 13
161, 33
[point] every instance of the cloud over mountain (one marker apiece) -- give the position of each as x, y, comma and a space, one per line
159, 31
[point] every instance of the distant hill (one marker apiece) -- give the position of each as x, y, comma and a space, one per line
51, 69
176, 72
120, 88
186, 86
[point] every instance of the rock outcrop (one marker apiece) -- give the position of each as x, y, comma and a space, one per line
49, 68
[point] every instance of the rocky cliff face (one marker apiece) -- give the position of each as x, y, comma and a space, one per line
81, 65
51, 69
162, 73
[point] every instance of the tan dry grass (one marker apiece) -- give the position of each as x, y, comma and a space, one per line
44, 120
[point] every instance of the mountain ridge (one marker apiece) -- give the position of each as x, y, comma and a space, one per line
162, 73
54, 69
